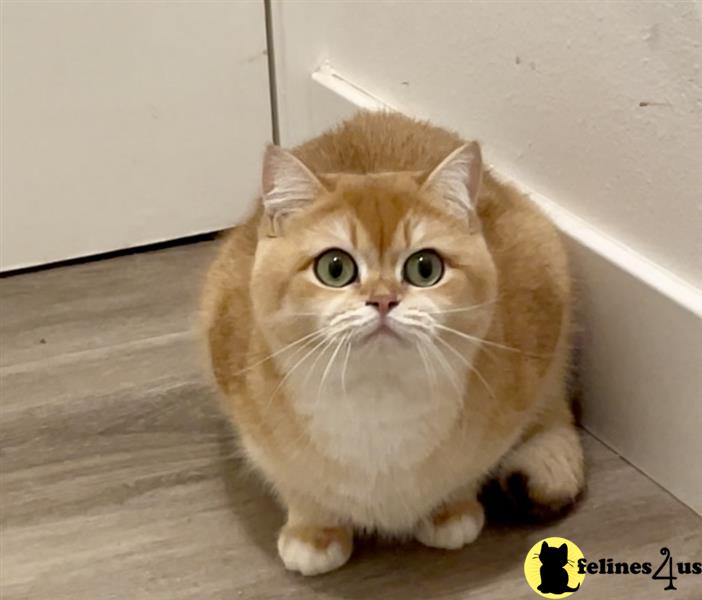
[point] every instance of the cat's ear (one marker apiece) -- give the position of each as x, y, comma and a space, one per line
563, 549
288, 185
544, 546
457, 178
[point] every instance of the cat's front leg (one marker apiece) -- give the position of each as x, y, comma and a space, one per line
312, 543
454, 524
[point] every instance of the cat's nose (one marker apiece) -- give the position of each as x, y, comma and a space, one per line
384, 303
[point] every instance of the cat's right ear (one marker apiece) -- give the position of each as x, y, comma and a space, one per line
288, 185
544, 546
457, 178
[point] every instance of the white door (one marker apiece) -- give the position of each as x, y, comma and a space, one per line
126, 123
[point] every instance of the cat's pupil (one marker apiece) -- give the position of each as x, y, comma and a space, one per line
424, 267
336, 267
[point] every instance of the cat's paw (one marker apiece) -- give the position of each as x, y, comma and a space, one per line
543, 477
314, 550
453, 526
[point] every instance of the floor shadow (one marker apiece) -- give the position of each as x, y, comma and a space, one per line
254, 505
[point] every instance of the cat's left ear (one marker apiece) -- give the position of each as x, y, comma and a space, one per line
457, 178
288, 185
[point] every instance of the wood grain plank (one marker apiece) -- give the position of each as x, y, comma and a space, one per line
101, 303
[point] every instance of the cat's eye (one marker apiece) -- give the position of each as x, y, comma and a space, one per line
335, 268
423, 268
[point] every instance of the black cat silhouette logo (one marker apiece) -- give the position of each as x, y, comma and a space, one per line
551, 568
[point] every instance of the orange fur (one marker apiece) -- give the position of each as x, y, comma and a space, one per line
393, 460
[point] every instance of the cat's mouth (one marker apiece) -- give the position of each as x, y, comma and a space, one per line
382, 330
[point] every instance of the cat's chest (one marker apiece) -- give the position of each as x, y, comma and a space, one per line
377, 421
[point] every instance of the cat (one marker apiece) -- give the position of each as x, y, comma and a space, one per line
554, 577
390, 327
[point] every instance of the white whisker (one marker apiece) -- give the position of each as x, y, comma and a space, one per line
467, 363
450, 372
340, 321
283, 349
290, 371
431, 377
349, 342
327, 344
469, 308
477, 340
330, 362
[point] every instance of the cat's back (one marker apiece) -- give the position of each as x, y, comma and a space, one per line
376, 142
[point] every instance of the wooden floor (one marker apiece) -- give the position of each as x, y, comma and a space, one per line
120, 481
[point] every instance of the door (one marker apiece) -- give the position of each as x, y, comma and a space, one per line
127, 123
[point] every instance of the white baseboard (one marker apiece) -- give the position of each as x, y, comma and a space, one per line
641, 342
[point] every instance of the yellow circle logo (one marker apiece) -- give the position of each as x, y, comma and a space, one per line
551, 568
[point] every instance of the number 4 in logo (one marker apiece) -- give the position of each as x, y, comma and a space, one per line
667, 560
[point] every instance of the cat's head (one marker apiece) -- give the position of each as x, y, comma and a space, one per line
387, 261
554, 556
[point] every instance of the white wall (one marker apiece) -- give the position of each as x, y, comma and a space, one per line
553, 89
125, 123
621, 180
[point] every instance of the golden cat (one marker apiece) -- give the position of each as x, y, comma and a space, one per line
390, 328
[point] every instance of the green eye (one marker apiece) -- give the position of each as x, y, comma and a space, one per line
424, 268
335, 268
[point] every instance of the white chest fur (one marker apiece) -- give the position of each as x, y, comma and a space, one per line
382, 412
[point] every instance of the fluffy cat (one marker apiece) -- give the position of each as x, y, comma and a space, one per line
390, 328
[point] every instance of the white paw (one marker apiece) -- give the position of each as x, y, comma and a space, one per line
451, 534
306, 558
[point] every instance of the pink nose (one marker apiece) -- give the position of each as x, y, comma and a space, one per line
383, 303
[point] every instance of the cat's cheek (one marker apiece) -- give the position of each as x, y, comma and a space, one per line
454, 288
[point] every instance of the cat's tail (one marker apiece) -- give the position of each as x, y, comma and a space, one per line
575, 589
